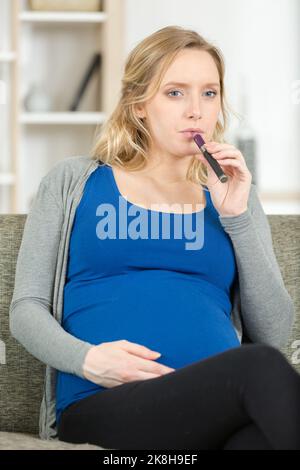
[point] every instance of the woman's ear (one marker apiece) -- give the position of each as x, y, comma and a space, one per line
139, 111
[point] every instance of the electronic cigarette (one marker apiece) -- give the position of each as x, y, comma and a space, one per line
211, 160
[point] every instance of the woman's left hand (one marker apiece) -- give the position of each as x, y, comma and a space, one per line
230, 198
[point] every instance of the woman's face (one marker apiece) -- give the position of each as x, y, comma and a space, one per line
197, 104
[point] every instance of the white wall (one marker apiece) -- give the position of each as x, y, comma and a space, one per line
260, 41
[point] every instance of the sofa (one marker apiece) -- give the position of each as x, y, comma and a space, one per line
22, 375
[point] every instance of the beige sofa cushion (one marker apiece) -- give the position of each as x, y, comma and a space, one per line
21, 441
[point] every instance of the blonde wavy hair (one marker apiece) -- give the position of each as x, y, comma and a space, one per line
123, 139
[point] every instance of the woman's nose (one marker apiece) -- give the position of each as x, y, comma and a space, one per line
194, 108
196, 114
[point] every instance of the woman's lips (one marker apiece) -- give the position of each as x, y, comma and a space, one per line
190, 134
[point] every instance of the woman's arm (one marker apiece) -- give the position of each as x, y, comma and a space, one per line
267, 309
31, 320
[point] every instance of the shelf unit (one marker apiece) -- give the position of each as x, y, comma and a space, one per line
52, 50
63, 17
61, 118
7, 57
47, 47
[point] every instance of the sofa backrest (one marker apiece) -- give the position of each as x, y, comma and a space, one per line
22, 375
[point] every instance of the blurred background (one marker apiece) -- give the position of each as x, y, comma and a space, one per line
61, 64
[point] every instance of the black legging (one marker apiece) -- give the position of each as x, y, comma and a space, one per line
244, 398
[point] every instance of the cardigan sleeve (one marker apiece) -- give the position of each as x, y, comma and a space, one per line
267, 310
30, 315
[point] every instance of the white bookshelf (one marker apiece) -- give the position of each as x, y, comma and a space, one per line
7, 57
63, 17
7, 179
52, 50
62, 118
280, 202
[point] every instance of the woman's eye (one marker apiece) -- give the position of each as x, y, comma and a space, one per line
177, 91
214, 93
174, 91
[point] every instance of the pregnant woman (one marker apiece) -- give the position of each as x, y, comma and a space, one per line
149, 287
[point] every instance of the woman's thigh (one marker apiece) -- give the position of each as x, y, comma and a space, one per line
198, 406
249, 437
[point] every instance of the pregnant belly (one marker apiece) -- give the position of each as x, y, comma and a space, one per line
183, 320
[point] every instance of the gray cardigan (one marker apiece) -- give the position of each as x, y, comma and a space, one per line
262, 309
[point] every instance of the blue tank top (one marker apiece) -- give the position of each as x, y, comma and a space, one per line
132, 274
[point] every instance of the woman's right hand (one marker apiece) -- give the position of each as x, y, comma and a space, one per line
114, 363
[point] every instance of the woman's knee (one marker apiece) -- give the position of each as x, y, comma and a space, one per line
250, 437
262, 359
263, 352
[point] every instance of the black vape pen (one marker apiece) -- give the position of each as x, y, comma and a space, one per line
211, 160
